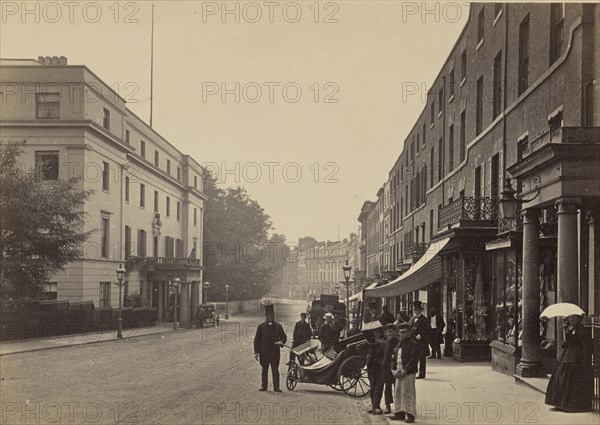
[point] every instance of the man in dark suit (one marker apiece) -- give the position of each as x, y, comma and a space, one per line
302, 333
269, 339
374, 336
327, 334
419, 325
437, 324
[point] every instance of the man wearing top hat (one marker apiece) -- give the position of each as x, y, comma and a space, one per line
268, 341
419, 325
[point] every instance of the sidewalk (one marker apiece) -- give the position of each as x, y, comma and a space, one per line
472, 393
23, 346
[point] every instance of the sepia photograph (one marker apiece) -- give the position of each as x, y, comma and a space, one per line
302, 212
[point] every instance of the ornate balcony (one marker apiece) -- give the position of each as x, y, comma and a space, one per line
414, 251
470, 212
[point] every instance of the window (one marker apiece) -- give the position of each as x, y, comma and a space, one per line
480, 24
524, 55
169, 246
168, 166
522, 148
418, 137
178, 173
50, 291
424, 133
127, 242
451, 83
127, 189
430, 223
47, 106
497, 83
105, 176
155, 201
463, 135
127, 136
106, 119
178, 248
412, 152
195, 182
495, 176
143, 149
440, 159
557, 36
451, 148
168, 206
105, 294
440, 99
432, 165
46, 164
195, 217
156, 159
155, 246
178, 210
142, 195
432, 111
104, 237
463, 65
142, 237
479, 106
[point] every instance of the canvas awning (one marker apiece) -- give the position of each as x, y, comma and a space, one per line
359, 295
425, 271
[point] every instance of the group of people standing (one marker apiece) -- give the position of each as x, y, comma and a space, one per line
397, 357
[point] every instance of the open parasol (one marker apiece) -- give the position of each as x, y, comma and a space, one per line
562, 309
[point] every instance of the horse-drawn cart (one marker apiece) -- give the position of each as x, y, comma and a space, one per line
206, 313
342, 368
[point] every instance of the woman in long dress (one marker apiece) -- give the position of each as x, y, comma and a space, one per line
571, 385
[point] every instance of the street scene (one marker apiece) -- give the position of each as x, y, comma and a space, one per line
326, 212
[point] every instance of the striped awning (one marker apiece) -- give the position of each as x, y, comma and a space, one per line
359, 295
425, 271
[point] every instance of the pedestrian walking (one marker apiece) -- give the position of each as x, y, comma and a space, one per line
302, 333
327, 334
269, 339
404, 368
437, 324
419, 325
571, 385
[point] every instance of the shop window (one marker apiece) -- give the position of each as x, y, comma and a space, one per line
506, 279
476, 300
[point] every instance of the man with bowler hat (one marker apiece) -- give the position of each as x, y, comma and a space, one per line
268, 341
419, 326
302, 333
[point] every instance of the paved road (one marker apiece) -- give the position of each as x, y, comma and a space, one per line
190, 377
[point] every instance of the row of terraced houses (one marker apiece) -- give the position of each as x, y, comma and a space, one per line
516, 102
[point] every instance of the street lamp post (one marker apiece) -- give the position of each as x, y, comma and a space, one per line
347, 270
226, 301
120, 276
205, 285
175, 285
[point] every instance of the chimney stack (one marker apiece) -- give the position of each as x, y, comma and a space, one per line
52, 60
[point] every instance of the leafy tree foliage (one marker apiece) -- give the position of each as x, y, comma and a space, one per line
40, 225
238, 250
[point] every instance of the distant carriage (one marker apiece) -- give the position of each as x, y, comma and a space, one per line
326, 304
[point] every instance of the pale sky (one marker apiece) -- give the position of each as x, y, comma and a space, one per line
361, 64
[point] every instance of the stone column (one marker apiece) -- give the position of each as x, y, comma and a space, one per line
194, 300
567, 264
185, 305
161, 302
531, 356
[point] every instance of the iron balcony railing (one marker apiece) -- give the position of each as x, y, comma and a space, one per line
479, 210
414, 251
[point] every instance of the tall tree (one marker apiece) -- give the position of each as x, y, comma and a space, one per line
40, 222
238, 250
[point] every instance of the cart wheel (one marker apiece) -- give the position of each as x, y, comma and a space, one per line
352, 376
291, 379
336, 387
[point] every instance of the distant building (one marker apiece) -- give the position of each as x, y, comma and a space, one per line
147, 209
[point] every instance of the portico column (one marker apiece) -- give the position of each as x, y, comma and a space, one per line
567, 264
194, 300
185, 305
531, 356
